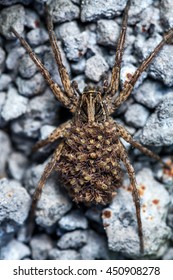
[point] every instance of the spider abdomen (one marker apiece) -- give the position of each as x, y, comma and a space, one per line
89, 165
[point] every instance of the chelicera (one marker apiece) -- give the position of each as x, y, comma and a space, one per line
90, 152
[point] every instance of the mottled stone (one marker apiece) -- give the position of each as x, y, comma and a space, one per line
158, 130
73, 240
4, 81
166, 12
136, 115
31, 87
37, 36
15, 105
96, 66
14, 250
31, 18
17, 164
91, 10
73, 220
27, 67
12, 16
107, 32
40, 244
67, 29
121, 224
2, 60
5, 149
78, 67
64, 10
3, 96
127, 70
56, 254
11, 2
14, 56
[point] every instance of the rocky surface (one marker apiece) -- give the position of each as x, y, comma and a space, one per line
87, 34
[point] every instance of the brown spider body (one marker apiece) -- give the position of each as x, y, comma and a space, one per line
89, 155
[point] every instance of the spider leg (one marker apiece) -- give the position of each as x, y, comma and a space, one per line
128, 86
62, 70
115, 77
128, 138
45, 73
124, 158
46, 173
55, 135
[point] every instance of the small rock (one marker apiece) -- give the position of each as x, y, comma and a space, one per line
96, 247
158, 130
67, 29
31, 87
5, 80
96, 66
56, 254
75, 46
166, 8
2, 60
17, 164
79, 67
136, 115
32, 19
73, 240
37, 36
12, 16
5, 149
126, 73
107, 32
14, 250
27, 67
64, 10
73, 220
40, 244
3, 96
14, 57
11, 2
91, 10
121, 224
15, 105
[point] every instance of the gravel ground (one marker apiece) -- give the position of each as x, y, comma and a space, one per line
87, 32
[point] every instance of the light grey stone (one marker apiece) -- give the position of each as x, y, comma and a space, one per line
73, 240
158, 130
17, 164
14, 56
107, 32
120, 218
166, 8
75, 46
3, 97
136, 115
15, 105
12, 16
91, 10
67, 29
137, 8
32, 19
127, 70
64, 10
5, 149
14, 250
27, 67
4, 81
40, 244
56, 254
37, 36
96, 66
11, 2
73, 220
78, 67
31, 87
96, 247
2, 60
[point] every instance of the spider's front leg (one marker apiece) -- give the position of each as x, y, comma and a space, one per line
124, 158
55, 135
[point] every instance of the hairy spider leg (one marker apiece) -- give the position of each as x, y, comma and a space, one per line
45, 73
124, 158
65, 79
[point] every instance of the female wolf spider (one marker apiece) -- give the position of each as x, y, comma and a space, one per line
89, 155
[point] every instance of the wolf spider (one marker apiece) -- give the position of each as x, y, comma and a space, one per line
89, 155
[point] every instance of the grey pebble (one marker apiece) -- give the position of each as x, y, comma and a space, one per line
73, 240
75, 46
5, 149
56, 254
11, 2
14, 250
31, 87
72, 221
3, 97
2, 59
137, 9
107, 32
136, 115
64, 10
27, 67
120, 218
17, 163
91, 10
150, 93
127, 70
40, 244
96, 247
12, 16
96, 66
37, 36
5, 80
166, 8
14, 56
14, 106
67, 29
32, 19
78, 67
158, 129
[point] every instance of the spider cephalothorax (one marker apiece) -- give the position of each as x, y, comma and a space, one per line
89, 155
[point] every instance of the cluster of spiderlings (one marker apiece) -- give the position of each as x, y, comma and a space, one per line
89, 166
